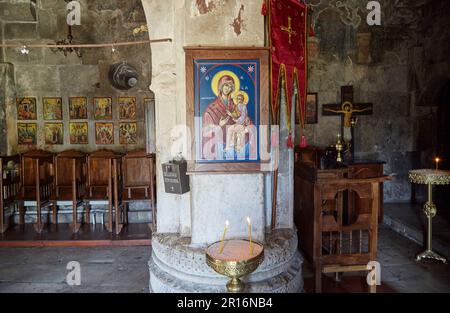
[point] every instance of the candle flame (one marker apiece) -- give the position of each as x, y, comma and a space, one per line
437, 159
227, 223
248, 220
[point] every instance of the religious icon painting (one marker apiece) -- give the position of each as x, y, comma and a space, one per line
128, 133
229, 104
127, 108
78, 108
79, 134
103, 108
311, 116
104, 133
54, 133
27, 133
53, 109
26, 109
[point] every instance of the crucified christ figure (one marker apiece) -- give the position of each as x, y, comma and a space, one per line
347, 110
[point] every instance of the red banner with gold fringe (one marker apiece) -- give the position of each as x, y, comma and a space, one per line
288, 32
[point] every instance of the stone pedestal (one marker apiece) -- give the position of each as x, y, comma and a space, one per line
187, 223
178, 267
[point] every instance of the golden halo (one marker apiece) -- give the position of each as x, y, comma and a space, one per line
218, 76
243, 93
347, 103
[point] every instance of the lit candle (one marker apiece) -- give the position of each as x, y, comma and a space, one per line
249, 222
222, 243
437, 163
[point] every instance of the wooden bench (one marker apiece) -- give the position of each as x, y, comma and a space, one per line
104, 179
9, 186
37, 184
139, 179
70, 182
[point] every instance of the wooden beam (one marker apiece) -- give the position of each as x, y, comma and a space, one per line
343, 269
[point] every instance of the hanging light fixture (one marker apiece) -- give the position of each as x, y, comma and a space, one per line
67, 42
24, 50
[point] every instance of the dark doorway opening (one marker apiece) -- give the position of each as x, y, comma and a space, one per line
443, 145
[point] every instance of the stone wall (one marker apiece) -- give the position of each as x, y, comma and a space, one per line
431, 70
378, 62
44, 73
431, 87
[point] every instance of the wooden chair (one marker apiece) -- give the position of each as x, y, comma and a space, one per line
70, 182
139, 180
37, 184
104, 179
9, 186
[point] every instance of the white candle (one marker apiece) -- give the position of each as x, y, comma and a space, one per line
227, 223
437, 163
249, 222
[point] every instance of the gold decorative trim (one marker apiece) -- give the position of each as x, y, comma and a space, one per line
428, 176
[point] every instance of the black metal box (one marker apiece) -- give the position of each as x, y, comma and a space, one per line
175, 178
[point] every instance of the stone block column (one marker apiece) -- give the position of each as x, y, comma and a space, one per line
186, 224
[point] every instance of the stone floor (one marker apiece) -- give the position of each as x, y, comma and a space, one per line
124, 269
409, 220
103, 270
399, 271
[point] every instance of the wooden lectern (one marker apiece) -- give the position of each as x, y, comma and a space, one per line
333, 235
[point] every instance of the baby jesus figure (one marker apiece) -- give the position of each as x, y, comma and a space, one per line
236, 133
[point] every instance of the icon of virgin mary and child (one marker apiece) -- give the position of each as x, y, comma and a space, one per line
229, 112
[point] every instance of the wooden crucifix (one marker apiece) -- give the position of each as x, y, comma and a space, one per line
348, 110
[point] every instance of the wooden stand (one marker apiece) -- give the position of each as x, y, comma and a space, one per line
356, 169
331, 243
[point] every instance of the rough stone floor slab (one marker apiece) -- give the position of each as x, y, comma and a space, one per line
124, 269
409, 220
116, 269
399, 271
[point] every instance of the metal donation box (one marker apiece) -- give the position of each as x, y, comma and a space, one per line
175, 178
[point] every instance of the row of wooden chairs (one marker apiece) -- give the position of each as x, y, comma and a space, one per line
103, 178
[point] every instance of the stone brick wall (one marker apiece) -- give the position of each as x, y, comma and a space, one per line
381, 71
431, 70
44, 73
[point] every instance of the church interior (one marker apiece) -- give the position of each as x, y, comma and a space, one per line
224, 146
